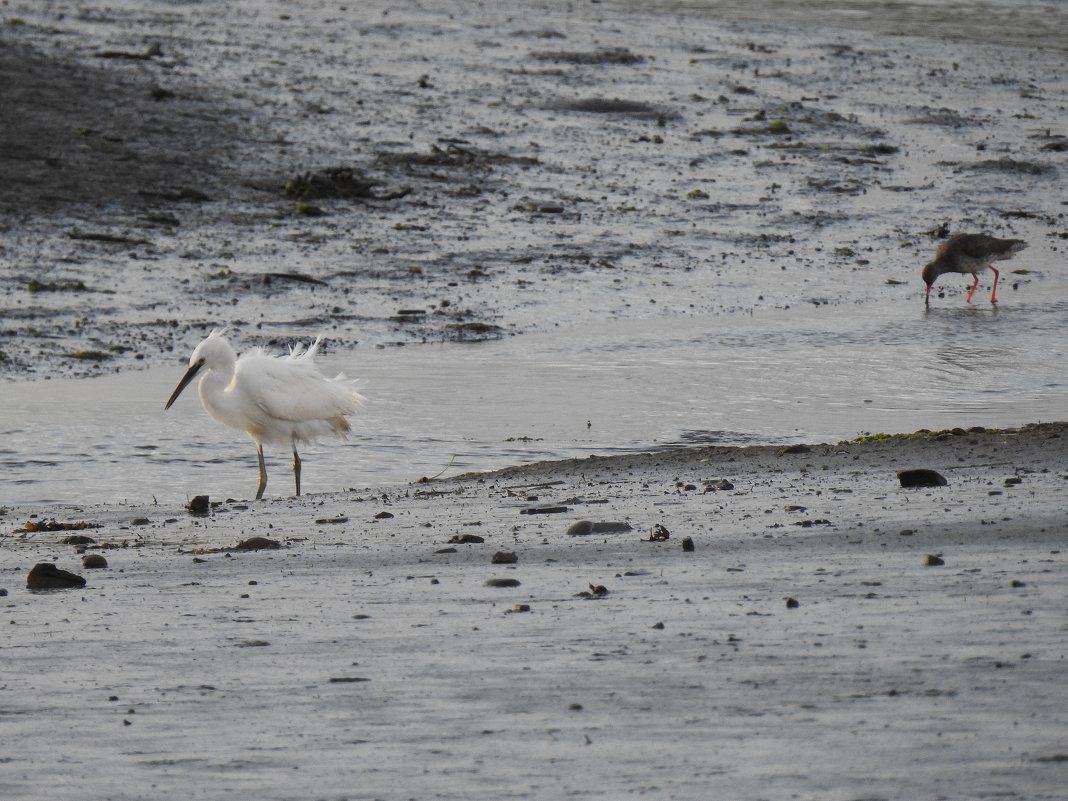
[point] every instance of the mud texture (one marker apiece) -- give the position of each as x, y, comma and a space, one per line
828, 634
398, 173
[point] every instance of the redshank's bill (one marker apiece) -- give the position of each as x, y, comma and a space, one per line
970, 253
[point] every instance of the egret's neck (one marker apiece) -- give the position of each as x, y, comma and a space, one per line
217, 401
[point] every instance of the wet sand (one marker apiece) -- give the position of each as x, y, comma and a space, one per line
368, 657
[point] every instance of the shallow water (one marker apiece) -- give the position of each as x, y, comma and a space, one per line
646, 313
818, 373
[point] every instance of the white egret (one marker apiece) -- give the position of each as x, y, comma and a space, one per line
277, 400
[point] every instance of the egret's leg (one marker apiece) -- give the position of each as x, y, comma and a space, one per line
263, 473
296, 468
969, 298
994, 291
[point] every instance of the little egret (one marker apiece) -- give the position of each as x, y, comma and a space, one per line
970, 253
280, 400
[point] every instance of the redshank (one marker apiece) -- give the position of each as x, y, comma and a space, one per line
970, 253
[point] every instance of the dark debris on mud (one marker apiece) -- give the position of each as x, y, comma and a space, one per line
152, 192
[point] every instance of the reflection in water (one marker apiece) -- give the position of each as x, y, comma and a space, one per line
819, 374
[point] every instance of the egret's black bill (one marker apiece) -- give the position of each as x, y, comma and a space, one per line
189, 374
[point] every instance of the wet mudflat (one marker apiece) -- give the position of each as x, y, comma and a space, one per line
680, 224
829, 635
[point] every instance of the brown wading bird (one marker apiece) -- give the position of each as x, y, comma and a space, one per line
282, 400
970, 253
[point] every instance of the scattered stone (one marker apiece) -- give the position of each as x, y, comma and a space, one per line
792, 603
609, 55
907, 532
3, 592
1013, 481
54, 525
799, 448
94, 561
544, 510
383, 515
585, 527
337, 182
911, 479
518, 608
199, 505
1017, 583
46, 576
658, 625
77, 539
502, 582
347, 679
327, 521
795, 508
467, 539
445, 550
257, 544
934, 561
504, 558
687, 544
722, 485
659, 533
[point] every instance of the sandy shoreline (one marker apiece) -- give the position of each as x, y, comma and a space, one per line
367, 658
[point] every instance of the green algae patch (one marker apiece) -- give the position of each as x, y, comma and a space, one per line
55, 286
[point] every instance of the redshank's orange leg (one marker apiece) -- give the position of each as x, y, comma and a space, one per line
994, 291
969, 298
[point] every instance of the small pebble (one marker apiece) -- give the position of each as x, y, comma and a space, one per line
257, 544
687, 544
504, 558
93, 561
46, 576
792, 603
934, 561
199, 505
911, 479
503, 582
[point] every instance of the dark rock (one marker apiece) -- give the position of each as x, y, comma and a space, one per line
934, 561
257, 544
920, 478
46, 576
3, 592
544, 510
659, 533
792, 603
92, 561
466, 539
77, 539
504, 558
687, 544
520, 608
584, 527
795, 449
199, 505
383, 515
659, 625
503, 582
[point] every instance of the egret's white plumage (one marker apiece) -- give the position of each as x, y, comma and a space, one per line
276, 400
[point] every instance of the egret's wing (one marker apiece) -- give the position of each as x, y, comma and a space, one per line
291, 388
